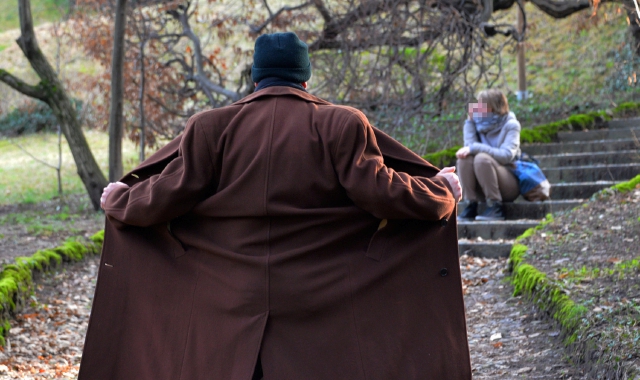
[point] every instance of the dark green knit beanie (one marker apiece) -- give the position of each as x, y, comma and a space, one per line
281, 55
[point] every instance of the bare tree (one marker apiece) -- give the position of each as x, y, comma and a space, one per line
51, 91
117, 92
401, 61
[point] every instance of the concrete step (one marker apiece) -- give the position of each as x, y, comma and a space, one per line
624, 123
531, 210
601, 134
591, 173
492, 249
580, 147
504, 229
591, 158
574, 190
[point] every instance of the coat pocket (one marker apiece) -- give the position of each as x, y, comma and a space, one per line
177, 250
378, 243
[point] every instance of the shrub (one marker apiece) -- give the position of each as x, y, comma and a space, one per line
34, 117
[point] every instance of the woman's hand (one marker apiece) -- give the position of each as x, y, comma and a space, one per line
107, 190
463, 152
448, 174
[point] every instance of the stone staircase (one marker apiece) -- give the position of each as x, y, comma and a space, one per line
578, 165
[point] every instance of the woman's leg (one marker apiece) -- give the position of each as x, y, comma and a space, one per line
508, 184
497, 182
467, 177
469, 187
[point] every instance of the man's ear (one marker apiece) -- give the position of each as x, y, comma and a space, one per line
255, 84
304, 84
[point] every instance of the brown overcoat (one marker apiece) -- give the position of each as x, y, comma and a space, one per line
257, 233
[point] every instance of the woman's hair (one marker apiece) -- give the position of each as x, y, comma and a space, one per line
495, 99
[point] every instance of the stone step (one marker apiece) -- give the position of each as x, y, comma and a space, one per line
531, 210
624, 123
591, 173
601, 134
504, 229
540, 149
591, 158
491, 249
574, 190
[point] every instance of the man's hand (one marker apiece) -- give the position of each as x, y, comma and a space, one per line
463, 152
107, 190
449, 175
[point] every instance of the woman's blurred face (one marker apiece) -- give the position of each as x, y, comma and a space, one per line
479, 109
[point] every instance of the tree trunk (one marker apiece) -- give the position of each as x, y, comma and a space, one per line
116, 118
141, 101
51, 91
634, 30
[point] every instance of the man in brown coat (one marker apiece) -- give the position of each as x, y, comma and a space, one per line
281, 237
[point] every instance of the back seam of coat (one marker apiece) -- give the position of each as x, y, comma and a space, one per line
355, 323
186, 341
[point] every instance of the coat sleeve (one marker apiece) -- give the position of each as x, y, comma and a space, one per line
380, 190
185, 181
507, 151
470, 133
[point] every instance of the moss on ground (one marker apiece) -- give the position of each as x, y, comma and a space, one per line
16, 280
575, 319
628, 186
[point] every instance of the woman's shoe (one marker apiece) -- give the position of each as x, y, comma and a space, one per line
470, 212
495, 212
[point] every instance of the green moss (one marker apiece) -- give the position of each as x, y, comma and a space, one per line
526, 278
627, 109
546, 294
16, 280
529, 232
517, 253
629, 185
446, 157
98, 238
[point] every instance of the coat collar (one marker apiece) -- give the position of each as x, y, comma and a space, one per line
282, 91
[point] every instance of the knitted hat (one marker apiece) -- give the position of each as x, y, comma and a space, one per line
281, 55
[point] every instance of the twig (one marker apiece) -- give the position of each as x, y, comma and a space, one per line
32, 156
57, 168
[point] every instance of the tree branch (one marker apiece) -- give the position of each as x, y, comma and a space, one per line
20, 86
426, 36
324, 12
205, 83
562, 9
273, 16
32, 156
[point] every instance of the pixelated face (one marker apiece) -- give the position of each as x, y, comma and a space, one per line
479, 109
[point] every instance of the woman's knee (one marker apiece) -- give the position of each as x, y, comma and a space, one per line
465, 161
483, 160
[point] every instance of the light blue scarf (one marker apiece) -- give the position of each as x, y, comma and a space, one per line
489, 122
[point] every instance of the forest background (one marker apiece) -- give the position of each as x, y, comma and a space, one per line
415, 91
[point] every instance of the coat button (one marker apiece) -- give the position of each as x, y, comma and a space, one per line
443, 222
444, 272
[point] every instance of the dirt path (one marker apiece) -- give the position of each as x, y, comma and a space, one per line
26, 228
507, 339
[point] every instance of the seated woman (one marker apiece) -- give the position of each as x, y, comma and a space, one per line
491, 141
